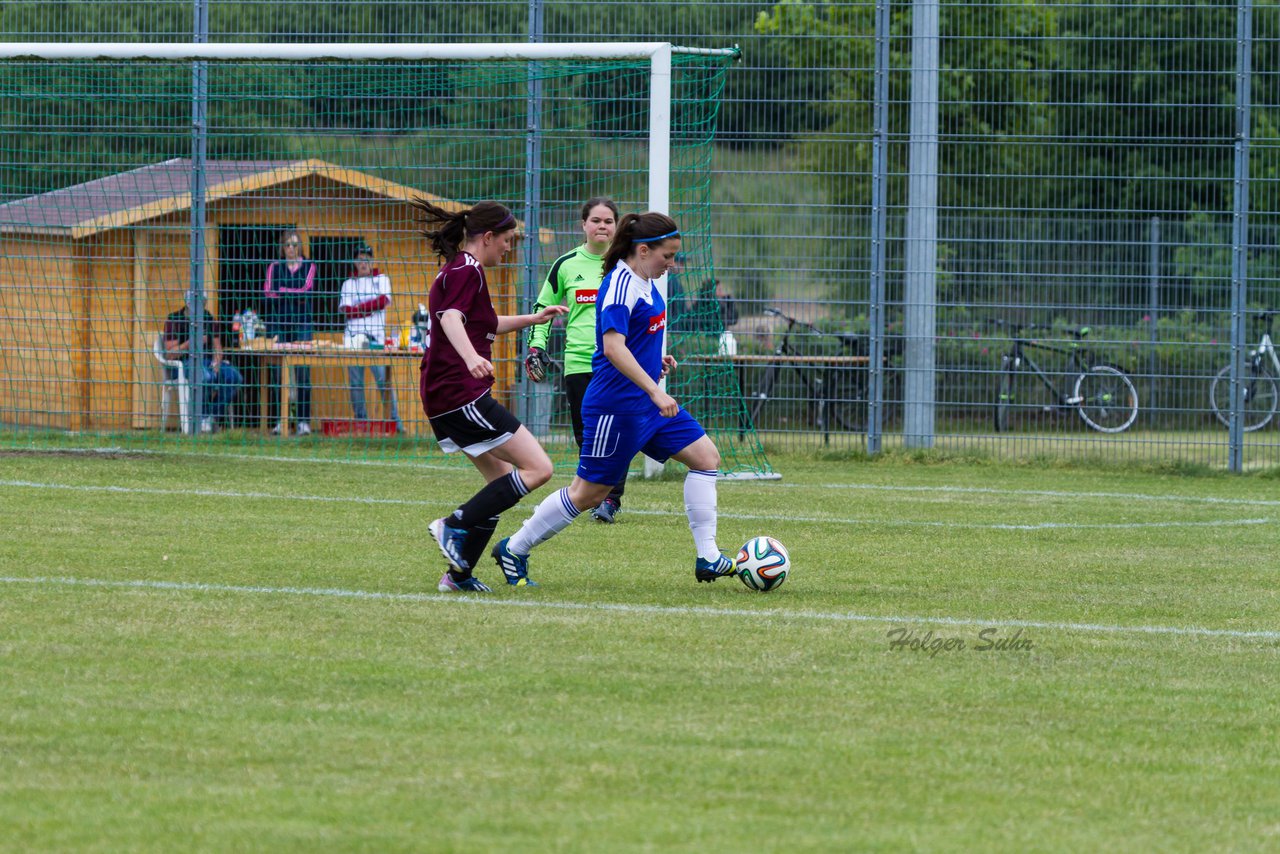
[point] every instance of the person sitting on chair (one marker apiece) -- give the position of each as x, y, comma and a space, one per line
220, 380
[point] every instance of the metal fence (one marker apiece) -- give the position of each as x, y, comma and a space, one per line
917, 185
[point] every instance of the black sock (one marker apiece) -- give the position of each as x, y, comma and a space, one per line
497, 497
477, 538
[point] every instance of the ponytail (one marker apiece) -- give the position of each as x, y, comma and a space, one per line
452, 228
650, 227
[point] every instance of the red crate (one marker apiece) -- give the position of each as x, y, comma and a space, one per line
350, 427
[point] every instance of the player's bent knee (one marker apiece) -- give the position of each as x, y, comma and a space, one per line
586, 495
538, 474
701, 456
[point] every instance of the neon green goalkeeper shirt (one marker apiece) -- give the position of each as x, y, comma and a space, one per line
573, 280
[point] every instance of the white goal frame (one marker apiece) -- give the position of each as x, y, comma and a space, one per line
658, 54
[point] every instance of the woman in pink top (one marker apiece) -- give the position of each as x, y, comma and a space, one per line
288, 291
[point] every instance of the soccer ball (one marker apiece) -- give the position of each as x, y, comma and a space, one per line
763, 564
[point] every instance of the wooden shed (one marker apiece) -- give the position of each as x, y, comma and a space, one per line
89, 273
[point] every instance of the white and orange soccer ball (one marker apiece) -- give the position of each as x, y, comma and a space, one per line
763, 564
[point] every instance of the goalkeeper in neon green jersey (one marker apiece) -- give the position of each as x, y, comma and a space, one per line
573, 281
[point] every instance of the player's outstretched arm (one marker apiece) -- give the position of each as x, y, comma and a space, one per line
514, 322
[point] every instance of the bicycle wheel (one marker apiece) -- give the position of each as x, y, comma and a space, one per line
1259, 397
840, 404
1004, 402
1106, 398
762, 394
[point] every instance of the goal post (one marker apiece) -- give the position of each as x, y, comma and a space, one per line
140, 177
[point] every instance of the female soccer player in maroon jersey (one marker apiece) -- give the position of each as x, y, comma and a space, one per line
457, 374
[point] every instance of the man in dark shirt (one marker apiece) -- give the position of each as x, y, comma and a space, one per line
221, 380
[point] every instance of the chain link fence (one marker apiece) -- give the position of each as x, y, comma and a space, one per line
1099, 180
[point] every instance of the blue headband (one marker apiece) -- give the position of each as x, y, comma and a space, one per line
675, 233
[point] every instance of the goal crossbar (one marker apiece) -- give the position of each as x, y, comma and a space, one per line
364, 50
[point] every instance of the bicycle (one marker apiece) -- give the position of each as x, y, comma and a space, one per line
832, 391
1102, 395
1258, 379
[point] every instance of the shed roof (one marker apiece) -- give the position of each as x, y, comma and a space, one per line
161, 188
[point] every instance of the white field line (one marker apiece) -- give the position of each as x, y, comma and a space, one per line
416, 464
657, 610
748, 517
1043, 493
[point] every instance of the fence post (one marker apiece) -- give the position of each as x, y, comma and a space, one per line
534, 403
879, 230
921, 282
1240, 230
196, 251
1153, 312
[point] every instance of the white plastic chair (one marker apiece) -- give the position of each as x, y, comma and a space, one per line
175, 381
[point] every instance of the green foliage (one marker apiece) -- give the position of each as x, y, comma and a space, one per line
1202, 260
991, 99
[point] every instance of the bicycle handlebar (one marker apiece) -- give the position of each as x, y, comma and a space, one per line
848, 340
791, 321
1079, 332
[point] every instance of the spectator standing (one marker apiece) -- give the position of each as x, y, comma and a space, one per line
288, 288
364, 301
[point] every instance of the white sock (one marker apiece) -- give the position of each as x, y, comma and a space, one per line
700, 507
552, 515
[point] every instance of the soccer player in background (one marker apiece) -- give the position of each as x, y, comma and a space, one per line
573, 281
625, 411
455, 378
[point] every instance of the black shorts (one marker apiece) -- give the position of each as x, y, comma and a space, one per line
478, 427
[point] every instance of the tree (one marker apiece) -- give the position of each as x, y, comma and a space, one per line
990, 103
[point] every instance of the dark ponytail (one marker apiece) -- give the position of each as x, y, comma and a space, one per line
448, 230
649, 227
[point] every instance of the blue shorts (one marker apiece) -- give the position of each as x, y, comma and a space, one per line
610, 442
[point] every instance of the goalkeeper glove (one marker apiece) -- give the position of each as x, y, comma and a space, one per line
536, 364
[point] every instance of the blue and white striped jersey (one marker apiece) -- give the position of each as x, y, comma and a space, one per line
630, 304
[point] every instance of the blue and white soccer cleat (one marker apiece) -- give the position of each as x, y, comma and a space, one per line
515, 567
470, 584
451, 542
710, 570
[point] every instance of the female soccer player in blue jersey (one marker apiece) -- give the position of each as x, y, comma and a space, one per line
625, 411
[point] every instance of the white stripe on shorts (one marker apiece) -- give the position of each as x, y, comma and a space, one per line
603, 426
474, 416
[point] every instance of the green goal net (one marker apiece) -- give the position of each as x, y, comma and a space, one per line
137, 189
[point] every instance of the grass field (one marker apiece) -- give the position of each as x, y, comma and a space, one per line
250, 655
